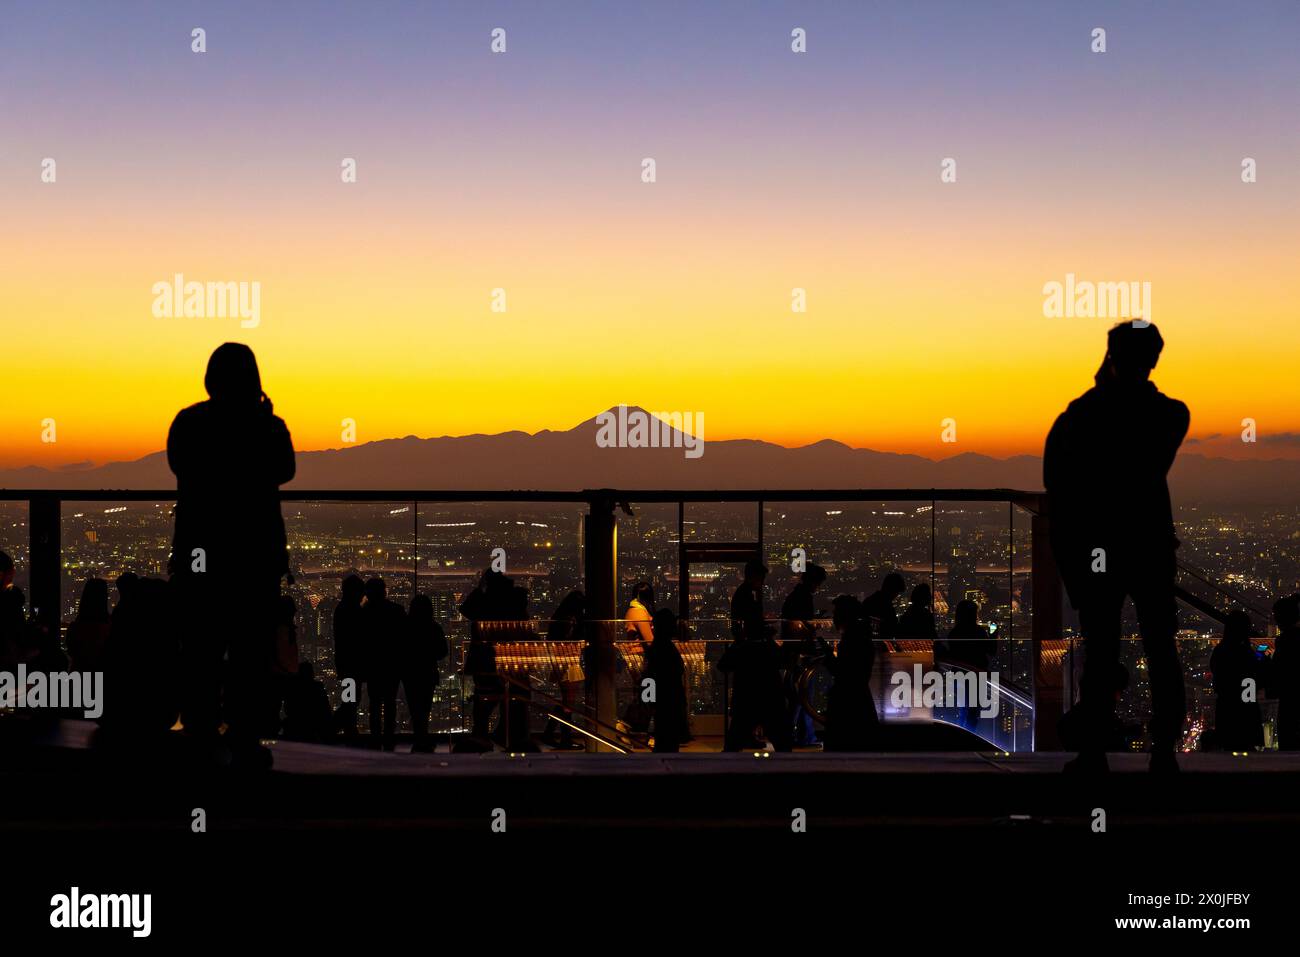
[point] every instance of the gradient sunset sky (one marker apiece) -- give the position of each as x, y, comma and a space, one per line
522, 171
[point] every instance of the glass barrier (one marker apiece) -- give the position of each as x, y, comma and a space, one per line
1195, 648
14, 540
962, 551
907, 685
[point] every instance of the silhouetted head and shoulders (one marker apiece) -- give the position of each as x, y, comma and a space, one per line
125, 585
426, 640
378, 605
855, 652
385, 629
800, 604
880, 603
1233, 658
233, 438
87, 636
230, 454
747, 602
566, 621
641, 605
640, 613
1108, 455
93, 606
917, 621
1123, 412
347, 613
663, 657
420, 614
968, 641
965, 622
1132, 351
349, 643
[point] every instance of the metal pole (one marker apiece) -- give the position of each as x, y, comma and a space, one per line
683, 567
1048, 696
933, 535
44, 572
601, 573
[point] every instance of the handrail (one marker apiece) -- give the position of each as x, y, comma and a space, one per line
1180, 593
531, 692
1203, 577
656, 495
1018, 695
1200, 604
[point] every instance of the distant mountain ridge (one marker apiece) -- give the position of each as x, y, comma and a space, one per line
572, 460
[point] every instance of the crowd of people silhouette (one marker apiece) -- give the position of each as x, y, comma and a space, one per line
234, 674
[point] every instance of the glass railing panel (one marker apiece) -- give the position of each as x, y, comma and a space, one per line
1022, 597
955, 682
15, 539
1195, 648
328, 541
648, 550
1248, 552
973, 562
858, 543
108, 539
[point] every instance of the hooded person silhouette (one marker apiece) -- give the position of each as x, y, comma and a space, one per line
1105, 468
230, 455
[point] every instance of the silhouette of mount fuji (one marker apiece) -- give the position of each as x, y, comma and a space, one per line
573, 460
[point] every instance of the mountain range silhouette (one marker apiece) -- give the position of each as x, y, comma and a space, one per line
572, 460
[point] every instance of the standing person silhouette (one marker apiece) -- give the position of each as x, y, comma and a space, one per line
753, 661
1284, 683
88, 634
968, 647
758, 698
851, 720
800, 643
918, 620
349, 652
637, 627
1238, 725
665, 667
384, 630
566, 628
494, 599
878, 607
230, 455
747, 602
426, 645
1105, 469
283, 666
